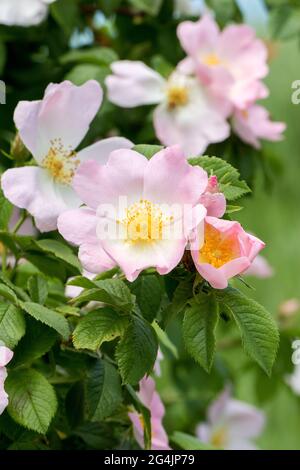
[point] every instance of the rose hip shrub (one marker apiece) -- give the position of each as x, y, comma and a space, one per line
126, 316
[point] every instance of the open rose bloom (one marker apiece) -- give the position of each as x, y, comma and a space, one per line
220, 78
52, 129
151, 399
187, 114
23, 12
226, 251
139, 213
231, 424
6, 356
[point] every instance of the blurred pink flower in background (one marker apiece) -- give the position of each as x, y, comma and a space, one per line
151, 399
52, 129
187, 114
6, 356
226, 252
260, 268
253, 124
289, 307
138, 234
232, 62
231, 424
23, 12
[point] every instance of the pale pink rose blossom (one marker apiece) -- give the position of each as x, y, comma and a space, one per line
187, 113
23, 12
260, 268
231, 62
226, 251
6, 356
52, 129
138, 234
231, 424
213, 199
289, 307
151, 399
253, 124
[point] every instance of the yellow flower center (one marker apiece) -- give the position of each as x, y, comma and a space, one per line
218, 438
60, 162
177, 96
245, 114
212, 60
218, 249
144, 222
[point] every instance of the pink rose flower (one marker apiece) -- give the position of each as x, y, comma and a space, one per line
151, 399
231, 424
139, 212
5, 357
253, 124
231, 62
52, 129
227, 250
187, 113
213, 200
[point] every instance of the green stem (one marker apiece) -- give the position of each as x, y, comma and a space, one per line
20, 222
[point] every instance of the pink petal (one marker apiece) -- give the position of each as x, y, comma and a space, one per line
65, 113
6, 356
101, 150
200, 35
122, 176
243, 420
33, 189
134, 84
78, 226
215, 204
193, 126
94, 259
169, 169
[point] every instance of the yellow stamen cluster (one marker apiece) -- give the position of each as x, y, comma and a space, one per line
212, 60
144, 222
61, 162
218, 249
177, 96
218, 438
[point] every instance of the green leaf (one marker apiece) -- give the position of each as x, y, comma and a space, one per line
104, 393
48, 317
60, 251
38, 340
147, 150
164, 339
6, 207
136, 352
112, 292
183, 292
199, 326
94, 55
187, 442
32, 400
12, 325
8, 293
149, 6
228, 177
81, 281
66, 15
284, 22
148, 292
98, 326
38, 288
81, 73
257, 326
